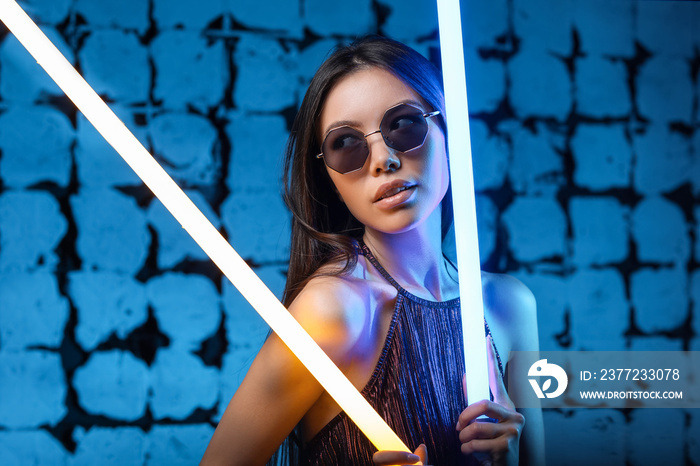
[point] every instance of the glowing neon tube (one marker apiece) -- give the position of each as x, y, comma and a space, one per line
201, 230
462, 180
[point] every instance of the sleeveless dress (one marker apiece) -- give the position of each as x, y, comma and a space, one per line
416, 386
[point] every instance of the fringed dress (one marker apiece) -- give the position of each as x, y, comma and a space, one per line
416, 386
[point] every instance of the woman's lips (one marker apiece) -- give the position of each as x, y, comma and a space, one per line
395, 196
391, 189
393, 192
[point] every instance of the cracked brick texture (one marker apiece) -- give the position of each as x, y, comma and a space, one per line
120, 343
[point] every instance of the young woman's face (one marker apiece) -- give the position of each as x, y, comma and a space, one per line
393, 191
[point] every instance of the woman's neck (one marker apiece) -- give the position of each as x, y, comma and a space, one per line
415, 259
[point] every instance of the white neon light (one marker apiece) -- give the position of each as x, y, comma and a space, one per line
201, 230
462, 178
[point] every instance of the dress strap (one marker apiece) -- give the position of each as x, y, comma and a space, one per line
364, 250
493, 343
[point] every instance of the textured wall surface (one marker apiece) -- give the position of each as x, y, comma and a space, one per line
121, 344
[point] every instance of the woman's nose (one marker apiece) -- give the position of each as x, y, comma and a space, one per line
382, 157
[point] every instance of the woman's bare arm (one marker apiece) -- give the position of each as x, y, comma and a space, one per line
278, 391
274, 396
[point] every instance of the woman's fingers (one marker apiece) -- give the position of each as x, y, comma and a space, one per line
490, 430
479, 430
485, 448
489, 409
501, 449
422, 452
492, 443
387, 457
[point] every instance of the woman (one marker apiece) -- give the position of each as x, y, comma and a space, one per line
366, 178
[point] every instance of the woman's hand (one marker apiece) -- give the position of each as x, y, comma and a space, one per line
387, 458
492, 443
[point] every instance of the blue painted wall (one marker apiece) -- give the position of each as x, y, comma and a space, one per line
121, 344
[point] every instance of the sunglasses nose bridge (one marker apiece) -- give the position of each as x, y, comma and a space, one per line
383, 138
371, 133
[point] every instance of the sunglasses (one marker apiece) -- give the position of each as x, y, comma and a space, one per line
403, 128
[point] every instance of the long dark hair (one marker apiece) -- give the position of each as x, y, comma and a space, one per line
323, 229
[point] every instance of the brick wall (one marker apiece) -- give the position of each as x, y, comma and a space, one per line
120, 343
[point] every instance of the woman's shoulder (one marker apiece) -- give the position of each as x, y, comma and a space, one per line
509, 294
511, 306
334, 307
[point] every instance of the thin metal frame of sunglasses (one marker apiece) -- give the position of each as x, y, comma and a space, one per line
385, 138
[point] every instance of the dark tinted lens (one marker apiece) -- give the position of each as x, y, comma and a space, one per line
345, 150
404, 128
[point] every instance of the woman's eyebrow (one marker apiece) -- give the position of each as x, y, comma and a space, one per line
339, 123
411, 102
355, 124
